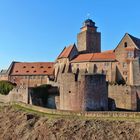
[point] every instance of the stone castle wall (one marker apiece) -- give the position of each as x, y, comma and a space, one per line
30, 81
135, 72
86, 92
124, 96
94, 89
18, 94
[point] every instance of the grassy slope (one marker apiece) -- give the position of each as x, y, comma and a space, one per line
51, 116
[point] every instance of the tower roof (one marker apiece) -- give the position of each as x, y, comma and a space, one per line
89, 22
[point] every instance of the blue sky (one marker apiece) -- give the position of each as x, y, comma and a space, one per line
37, 30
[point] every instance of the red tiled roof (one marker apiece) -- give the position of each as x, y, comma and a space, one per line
66, 52
35, 68
108, 51
104, 56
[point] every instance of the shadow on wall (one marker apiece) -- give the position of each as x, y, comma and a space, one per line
138, 102
111, 104
119, 78
44, 96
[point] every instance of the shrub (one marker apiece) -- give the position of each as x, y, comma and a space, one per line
6, 87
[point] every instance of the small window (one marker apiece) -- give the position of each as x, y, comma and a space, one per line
32, 67
125, 44
130, 54
41, 67
34, 71
124, 65
27, 71
24, 66
16, 71
45, 71
69, 91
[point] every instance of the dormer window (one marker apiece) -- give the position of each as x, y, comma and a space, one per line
125, 44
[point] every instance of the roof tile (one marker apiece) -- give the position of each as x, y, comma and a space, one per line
104, 56
66, 52
35, 68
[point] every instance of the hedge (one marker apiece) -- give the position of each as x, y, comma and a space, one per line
6, 87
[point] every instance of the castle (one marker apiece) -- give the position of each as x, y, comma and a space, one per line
87, 78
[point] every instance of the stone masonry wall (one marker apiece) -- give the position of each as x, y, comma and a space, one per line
124, 96
94, 89
135, 72
88, 92
69, 95
18, 94
29, 81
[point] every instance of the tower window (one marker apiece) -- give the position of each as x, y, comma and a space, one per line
125, 44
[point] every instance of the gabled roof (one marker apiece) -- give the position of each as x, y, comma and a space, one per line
91, 57
66, 52
29, 68
135, 40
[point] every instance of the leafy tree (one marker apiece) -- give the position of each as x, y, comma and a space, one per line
6, 87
